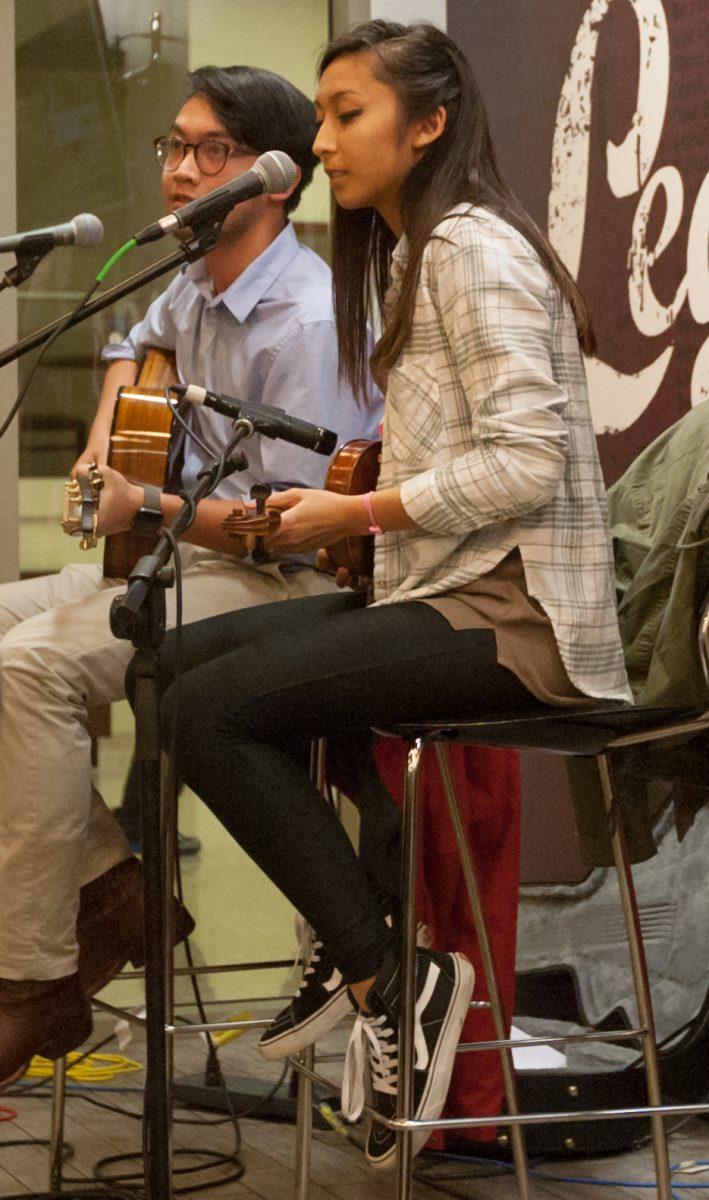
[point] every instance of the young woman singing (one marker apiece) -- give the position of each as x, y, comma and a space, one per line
492, 590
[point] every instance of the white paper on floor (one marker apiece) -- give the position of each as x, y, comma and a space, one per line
535, 1058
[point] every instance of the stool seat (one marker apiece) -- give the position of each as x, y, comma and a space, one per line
562, 731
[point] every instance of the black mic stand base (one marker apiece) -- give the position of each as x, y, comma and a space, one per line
147, 634
252, 1098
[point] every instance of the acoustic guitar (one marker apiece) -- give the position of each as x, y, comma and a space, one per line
139, 448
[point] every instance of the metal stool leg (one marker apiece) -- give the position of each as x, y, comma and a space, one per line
405, 1090
304, 1111
56, 1136
304, 1127
471, 882
642, 988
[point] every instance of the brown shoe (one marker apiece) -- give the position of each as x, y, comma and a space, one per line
109, 927
48, 1017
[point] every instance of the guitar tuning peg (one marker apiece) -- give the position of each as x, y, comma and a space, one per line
260, 493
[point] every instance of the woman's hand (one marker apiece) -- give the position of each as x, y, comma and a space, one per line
119, 501
311, 518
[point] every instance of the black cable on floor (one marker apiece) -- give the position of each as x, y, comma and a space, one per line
78, 1193
67, 1148
216, 1160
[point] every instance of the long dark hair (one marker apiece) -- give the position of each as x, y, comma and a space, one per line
426, 70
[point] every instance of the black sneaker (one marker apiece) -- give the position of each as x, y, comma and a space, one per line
322, 1000
444, 985
320, 1003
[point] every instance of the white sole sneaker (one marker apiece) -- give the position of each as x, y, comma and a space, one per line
433, 1098
431, 1104
293, 1040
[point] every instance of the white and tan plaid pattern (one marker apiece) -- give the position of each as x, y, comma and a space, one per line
488, 433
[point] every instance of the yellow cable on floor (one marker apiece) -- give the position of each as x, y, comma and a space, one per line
229, 1035
102, 1068
94, 1068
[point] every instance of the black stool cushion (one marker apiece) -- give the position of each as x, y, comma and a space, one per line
570, 731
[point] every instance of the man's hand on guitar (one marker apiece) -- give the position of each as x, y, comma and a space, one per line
96, 451
120, 501
311, 518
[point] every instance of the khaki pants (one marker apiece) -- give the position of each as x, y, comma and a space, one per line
58, 659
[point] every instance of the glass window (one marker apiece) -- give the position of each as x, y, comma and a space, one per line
96, 82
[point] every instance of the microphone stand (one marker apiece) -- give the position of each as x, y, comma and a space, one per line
196, 248
139, 616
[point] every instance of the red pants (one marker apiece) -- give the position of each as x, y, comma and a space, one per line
487, 785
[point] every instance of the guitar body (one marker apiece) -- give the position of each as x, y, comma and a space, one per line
139, 449
354, 471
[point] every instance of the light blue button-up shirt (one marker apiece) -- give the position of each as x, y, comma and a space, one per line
268, 338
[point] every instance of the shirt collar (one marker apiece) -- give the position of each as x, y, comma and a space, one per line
400, 250
396, 271
242, 296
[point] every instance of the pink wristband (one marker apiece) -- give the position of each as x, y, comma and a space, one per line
367, 502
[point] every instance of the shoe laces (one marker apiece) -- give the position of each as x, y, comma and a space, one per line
373, 1034
308, 950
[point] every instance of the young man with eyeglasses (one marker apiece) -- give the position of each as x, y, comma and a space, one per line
252, 319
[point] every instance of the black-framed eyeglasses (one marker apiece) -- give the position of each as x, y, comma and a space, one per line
210, 154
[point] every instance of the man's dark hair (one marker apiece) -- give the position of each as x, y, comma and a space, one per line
263, 111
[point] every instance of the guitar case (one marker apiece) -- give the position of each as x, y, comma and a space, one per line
573, 972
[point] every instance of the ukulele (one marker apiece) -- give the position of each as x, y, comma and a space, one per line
353, 472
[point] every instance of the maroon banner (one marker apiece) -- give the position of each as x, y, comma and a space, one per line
600, 116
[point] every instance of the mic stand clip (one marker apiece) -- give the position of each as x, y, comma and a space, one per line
29, 256
205, 230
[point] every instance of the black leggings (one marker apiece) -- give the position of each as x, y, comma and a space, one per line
259, 684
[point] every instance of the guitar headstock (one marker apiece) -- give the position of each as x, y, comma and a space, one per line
80, 509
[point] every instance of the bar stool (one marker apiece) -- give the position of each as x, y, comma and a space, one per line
597, 732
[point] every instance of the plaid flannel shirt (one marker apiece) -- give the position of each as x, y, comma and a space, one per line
488, 433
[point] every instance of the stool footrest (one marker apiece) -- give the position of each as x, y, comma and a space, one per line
588, 1114
611, 1035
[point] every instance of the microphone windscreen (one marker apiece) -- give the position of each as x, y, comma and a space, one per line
277, 170
88, 230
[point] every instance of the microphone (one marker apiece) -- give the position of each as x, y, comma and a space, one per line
274, 171
84, 230
270, 421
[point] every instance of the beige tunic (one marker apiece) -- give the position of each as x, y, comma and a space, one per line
525, 638
488, 435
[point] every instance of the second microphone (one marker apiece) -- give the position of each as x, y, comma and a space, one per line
271, 422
